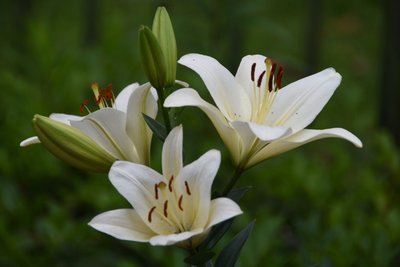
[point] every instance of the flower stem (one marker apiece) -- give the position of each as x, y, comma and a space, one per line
164, 110
235, 177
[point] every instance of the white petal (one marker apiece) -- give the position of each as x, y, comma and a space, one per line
227, 93
243, 74
30, 141
189, 97
121, 101
303, 137
172, 153
199, 176
141, 101
64, 118
267, 133
136, 184
297, 104
166, 240
124, 224
222, 209
107, 127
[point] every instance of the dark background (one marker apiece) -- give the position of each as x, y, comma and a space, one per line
324, 204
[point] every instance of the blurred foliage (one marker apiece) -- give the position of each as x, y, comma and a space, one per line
325, 204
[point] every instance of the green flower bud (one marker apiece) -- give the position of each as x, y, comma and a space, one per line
152, 57
71, 145
164, 32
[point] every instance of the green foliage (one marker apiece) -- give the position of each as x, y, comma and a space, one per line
324, 204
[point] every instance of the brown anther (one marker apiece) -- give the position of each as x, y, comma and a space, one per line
156, 191
259, 81
271, 76
253, 69
166, 208
279, 78
170, 183
83, 105
187, 188
149, 215
180, 202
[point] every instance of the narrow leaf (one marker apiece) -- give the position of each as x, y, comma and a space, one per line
216, 233
157, 128
230, 254
236, 194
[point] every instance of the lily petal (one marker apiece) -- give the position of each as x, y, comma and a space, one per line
199, 176
303, 137
297, 104
30, 141
172, 153
124, 224
64, 118
141, 101
121, 101
136, 183
165, 240
107, 127
267, 133
227, 93
222, 209
244, 74
189, 97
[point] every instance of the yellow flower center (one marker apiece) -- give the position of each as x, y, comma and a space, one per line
169, 205
264, 97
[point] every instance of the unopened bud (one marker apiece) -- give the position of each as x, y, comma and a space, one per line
71, 145
164, 32
152, 57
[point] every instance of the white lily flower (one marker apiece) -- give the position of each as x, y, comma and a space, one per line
117, 127
170, 208
254, 116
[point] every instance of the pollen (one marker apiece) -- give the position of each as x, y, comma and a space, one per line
187, 188
166, 208
170, 183
180, 202
149, 215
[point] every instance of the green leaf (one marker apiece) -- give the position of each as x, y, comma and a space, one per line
236, 194
230, 254
216, 233
199, 258
157, 128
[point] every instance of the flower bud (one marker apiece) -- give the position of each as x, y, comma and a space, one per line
152, 57
71, 145
164, 32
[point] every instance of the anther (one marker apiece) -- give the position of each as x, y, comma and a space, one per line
253, 69
259, 81
149, 215
83, 106
156, 191
180, 202
165, 208
187, 188
279, 78
170, 183
271, 76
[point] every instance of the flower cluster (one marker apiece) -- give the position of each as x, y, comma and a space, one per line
254, 114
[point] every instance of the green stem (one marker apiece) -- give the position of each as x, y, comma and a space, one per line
164, 110
235, 177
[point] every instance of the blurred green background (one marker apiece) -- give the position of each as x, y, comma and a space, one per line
324, 204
